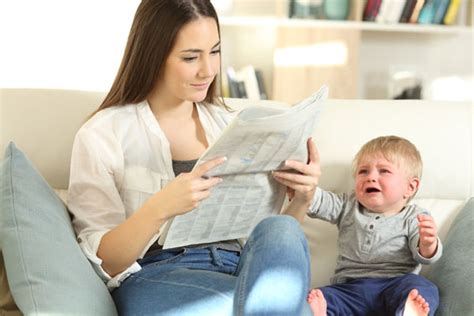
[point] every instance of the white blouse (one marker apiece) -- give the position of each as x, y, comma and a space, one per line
120, 158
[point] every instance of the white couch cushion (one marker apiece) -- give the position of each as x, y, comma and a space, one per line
43, 123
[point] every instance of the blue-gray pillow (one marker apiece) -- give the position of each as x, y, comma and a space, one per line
454, 272
47, 271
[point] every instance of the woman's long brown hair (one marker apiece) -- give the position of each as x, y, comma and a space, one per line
151, 38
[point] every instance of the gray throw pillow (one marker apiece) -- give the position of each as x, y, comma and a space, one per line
454, 272
47, 271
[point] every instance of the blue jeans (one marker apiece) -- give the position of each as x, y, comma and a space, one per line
378, 296
270, 277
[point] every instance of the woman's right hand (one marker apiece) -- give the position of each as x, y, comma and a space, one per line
186, 191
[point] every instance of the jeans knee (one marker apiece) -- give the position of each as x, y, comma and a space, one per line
279, 223
281, 229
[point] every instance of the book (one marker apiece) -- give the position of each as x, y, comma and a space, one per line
390, 11
244, 83
395, 11
451, 12
371, 10
383, 11
441, 7
249, 78
427, 13
407, 11
261, 85
232, 82
256, 142
416, 11
241, 89
236, 86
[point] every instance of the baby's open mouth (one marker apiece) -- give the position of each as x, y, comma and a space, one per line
371, 190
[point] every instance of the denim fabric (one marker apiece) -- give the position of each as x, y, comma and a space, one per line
270, 277
378, 296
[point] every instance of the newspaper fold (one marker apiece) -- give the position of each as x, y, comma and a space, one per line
256, 142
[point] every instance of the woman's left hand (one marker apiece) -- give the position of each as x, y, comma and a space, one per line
301, 185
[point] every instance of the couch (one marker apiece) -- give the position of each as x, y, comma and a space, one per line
42, 124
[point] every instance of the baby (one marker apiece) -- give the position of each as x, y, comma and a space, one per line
382, 239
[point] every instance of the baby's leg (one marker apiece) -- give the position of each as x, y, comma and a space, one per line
349, 298
400, 299
317, 302
416, 305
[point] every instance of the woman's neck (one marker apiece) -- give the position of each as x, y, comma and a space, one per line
170, 107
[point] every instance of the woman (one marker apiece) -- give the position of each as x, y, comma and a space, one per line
131, 171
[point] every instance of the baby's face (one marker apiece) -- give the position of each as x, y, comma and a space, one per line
382, 186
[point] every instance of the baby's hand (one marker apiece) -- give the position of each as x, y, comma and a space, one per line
428, 235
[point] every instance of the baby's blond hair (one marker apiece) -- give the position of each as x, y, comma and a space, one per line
395, 149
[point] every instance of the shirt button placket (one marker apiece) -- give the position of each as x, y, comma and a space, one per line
370, 235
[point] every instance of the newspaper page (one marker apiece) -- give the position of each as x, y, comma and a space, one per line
256, 142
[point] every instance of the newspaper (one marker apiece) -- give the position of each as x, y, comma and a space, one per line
256, 142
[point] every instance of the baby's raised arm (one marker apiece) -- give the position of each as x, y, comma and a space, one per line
428, 232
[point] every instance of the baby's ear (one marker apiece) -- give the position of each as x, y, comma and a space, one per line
412, 187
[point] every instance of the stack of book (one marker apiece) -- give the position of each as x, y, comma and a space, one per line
412, 11
246, 82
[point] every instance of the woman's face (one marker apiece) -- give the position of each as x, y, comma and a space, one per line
193, 62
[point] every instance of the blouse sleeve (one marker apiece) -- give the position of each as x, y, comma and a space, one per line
93, 196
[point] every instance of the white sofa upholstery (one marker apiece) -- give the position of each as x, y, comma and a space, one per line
42, 123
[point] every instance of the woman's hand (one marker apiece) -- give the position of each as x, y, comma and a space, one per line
186, 191
301, 186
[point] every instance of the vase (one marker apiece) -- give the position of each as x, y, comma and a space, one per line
336, 9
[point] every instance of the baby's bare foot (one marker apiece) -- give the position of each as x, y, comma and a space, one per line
317, 302
416, 305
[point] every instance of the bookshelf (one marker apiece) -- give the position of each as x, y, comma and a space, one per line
281, 9
372, 50
265, 21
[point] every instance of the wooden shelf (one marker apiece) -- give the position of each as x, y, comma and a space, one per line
372, 50
353, 25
